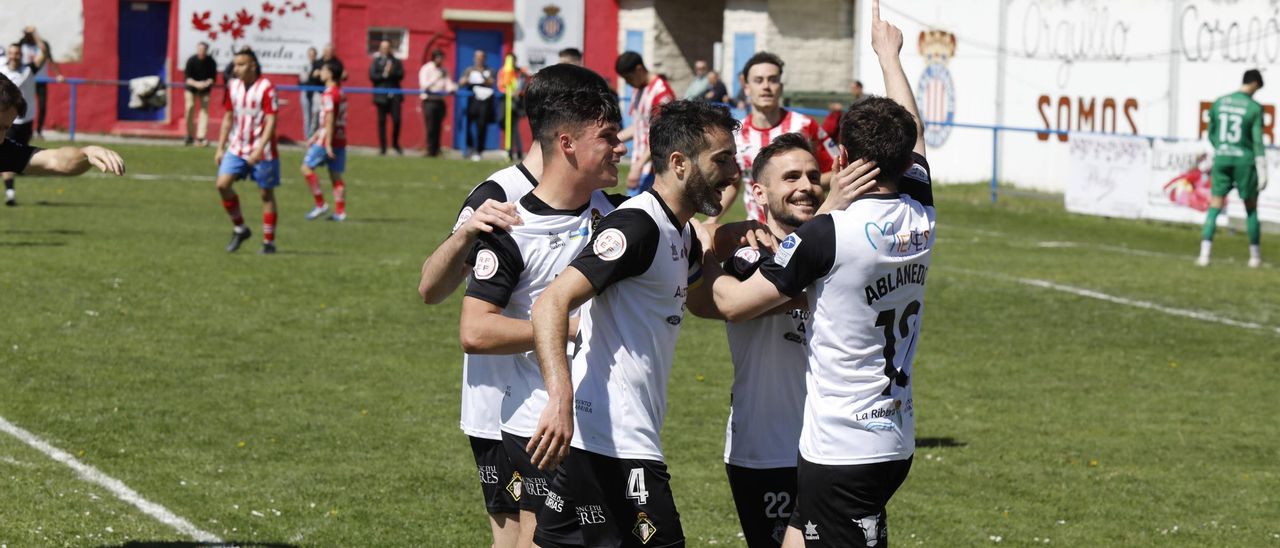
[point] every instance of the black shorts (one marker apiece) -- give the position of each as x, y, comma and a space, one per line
765, 499
498, 480
845, 505
594, 500
20, 133
533, 490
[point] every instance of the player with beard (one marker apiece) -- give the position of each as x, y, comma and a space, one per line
767, 401
579, 135
864, 271
603, 416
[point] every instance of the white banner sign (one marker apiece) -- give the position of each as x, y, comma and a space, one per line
544, 27
58, 22
1108, 175
279, 31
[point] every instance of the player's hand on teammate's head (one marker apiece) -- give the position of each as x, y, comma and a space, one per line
850, 181
106, 160
492, 215
886, 39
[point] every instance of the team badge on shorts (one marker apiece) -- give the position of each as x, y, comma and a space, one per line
644, 529
515, 486
610, 244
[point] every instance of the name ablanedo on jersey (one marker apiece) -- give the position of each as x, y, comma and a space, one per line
910, 273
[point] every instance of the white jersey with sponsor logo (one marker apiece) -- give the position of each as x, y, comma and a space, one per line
484, 377
641, 262
513, 268
250, 107
865, 270
766, 407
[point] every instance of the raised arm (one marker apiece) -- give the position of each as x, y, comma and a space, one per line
886, 40
549, 444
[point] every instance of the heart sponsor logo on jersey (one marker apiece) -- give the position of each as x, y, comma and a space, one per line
486, 264
883, 231
786, 249
610, 244
463, 217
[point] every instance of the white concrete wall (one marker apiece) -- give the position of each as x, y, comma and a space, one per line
815, 40
60, 22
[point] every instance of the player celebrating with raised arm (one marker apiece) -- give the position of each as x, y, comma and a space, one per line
865, 270
329, 145
603, 420
1239, 160
579, 134
247, 147
762, 79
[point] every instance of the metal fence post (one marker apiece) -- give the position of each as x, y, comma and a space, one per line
995, 161
71, 124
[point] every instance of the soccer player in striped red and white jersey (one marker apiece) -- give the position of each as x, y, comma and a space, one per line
652, 91
247, 147
762, 79
328, 145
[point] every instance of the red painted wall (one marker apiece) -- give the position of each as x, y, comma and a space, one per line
96, 104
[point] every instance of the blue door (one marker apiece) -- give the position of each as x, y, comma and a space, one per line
468, 42
744, 46
144, 48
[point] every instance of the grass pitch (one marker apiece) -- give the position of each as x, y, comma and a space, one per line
310, 398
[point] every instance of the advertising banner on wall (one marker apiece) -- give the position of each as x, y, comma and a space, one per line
279, 31
1108, 176
544, 27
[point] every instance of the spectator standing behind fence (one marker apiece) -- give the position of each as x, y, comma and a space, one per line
32, 45
201, 72
308, 75
479, 79
512, 80
327, 56
433, 80
716, 92
386, 72
701, 83
24, 77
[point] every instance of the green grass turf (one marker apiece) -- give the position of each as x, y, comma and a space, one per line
311, 398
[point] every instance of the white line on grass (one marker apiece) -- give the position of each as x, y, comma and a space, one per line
117, 487
1081, 292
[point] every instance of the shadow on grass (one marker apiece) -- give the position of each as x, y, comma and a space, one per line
188, 544
46, 203
937, 443
32, 244
57, 231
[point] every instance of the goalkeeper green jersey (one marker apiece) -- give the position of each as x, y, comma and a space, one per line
1235, 129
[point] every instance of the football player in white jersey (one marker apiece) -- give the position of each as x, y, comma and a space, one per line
490, 207
579, 135
864, 269
603, 416
768, 352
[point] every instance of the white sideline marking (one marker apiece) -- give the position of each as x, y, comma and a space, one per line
1081, 292
117, 487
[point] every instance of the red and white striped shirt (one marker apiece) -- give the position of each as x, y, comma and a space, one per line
332, 100
643, 106
250, 108
750, 140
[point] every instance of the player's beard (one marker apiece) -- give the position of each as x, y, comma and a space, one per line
782, 214
702, 192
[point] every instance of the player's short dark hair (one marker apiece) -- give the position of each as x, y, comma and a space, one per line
437, 53
11, 96
334, 67
565, 95
573, 53
246, 50
628, 62
786, 142
1253, 76
683, 126
761, 57
882, 131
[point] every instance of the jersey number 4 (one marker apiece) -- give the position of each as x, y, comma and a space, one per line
635, 486
886, 320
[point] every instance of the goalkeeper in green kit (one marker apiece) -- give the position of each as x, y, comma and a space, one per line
1239, 160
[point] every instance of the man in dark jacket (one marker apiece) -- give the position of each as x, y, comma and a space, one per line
386, 72
201, 73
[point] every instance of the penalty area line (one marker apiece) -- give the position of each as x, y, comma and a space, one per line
1147, 305
115, 486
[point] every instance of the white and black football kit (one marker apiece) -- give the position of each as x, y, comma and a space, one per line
766, 411
484, 377
613, 489
511, 269
865, 270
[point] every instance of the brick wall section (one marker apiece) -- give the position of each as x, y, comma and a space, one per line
815, 39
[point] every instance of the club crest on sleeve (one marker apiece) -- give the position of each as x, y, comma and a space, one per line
786, 249
746, 257
486, 264
610, 244
463, 217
